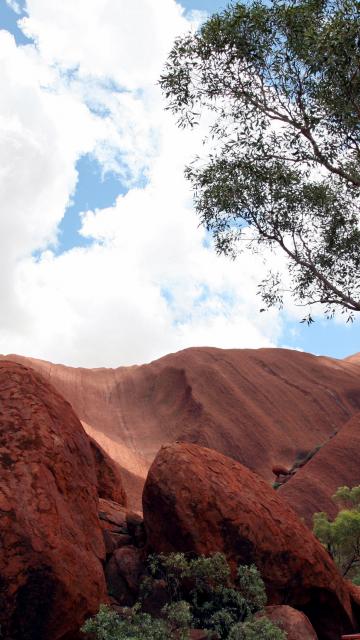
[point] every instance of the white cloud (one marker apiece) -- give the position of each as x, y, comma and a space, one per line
14, 6
148, 285
42, 134
124, 41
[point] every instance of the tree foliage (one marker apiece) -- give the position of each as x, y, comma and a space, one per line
341, 537
201, 594
282, 81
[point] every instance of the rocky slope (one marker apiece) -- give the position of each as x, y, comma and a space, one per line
266, 408
334, 465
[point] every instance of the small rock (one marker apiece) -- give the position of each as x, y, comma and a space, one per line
116, 585
112, 512
295, 623
115, 540
123, 573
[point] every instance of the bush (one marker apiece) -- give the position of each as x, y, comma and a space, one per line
201, 594
261, 629
108, 625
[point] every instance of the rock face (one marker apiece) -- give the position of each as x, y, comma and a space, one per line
123, 574
109, 481
51, 543
197, 500
124, 537
336, 464
264, 407
295, 623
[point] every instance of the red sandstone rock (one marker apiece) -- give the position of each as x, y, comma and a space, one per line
336, 464
295, 623
355, 598
115, 540
108, 475
197, 500
262, 407
112, 513
198, 634
51, 541
123, 574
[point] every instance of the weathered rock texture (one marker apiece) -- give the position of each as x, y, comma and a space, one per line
264, 408
51, 576
335, 464
197, 500
109, 481
295, 623
124, 538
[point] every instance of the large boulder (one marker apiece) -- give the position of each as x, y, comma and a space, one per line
109, 480
198, 500
51, 576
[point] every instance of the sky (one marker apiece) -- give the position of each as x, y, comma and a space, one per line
102, 260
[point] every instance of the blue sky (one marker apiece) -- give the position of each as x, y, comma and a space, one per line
88, 214
203, 5
8, 20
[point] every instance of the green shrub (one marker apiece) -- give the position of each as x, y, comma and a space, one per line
201, 594
260, 629
178, 618
252, 587
108, 625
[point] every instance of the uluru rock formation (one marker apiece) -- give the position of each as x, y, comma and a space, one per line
51, 541
284, 415
266, 408
336, 464
197, 500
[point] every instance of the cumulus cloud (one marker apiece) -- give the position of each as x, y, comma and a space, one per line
41, 136
150, 282
126, 42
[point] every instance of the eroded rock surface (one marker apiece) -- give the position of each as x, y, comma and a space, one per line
51, 541
336, 464
197, 500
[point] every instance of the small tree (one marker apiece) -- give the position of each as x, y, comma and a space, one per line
283, 82
341, 537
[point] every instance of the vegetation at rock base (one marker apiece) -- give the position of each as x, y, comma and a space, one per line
341, 537
261, 629
280, 82
200, 594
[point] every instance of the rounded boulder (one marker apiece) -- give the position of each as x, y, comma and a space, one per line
51, 575
197, 500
